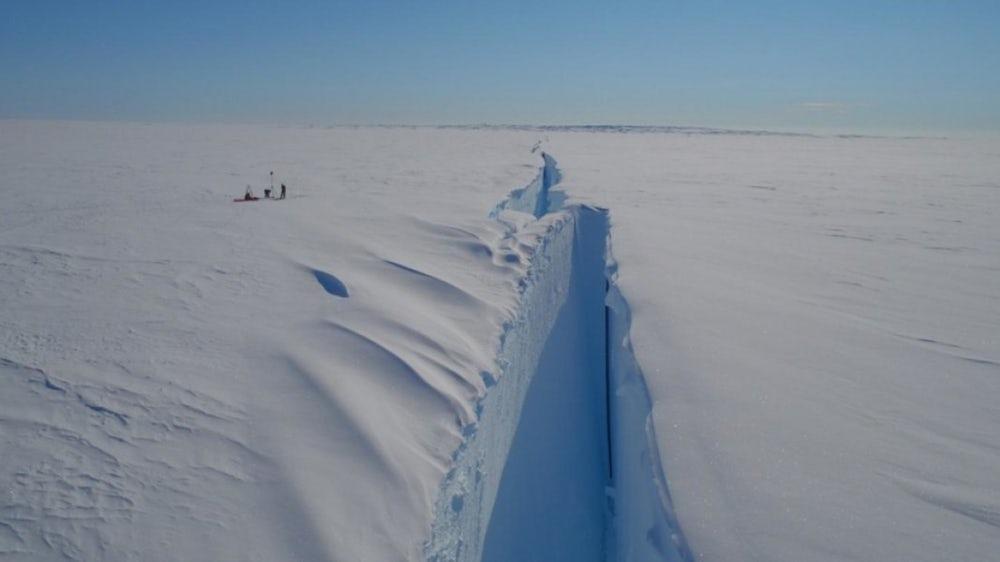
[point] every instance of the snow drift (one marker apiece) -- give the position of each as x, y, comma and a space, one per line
185, 378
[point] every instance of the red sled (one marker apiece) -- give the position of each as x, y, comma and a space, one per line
242, 199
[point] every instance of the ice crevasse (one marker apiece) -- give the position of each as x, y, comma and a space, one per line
562, 462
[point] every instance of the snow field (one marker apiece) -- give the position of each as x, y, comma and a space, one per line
374, 369
271, 380
816, 320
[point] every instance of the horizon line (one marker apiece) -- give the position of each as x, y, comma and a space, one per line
844, 133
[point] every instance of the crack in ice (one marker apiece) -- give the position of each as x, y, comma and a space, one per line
519, 486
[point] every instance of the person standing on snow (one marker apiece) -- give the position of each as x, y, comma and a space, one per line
282, 191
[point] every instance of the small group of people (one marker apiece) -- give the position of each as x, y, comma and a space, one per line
267, 193
249, 196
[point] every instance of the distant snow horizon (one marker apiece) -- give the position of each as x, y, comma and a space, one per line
685, 129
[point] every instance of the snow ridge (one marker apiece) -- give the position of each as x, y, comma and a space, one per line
562, 463
645, 526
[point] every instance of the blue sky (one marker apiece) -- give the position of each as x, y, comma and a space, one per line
905, 65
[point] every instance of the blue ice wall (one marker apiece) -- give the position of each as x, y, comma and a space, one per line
468, 493
562, 463
551, 503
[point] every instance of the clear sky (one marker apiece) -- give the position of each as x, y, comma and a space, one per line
905, 65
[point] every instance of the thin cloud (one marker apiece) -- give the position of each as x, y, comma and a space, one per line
827, 106
823, 105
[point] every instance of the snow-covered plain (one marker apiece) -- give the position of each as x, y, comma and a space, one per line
818, 321
798, 357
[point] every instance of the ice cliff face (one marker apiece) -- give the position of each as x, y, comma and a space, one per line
562, 462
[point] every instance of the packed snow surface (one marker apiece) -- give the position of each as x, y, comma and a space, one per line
704, 344
818, 322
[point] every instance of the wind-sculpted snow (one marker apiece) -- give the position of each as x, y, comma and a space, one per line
184, 378
799, 360
75, 476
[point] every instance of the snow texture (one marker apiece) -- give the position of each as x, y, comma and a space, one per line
185, 378
704, 345
817, 323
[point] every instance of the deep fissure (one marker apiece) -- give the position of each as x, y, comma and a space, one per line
607, 381
551, 503
563, 463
